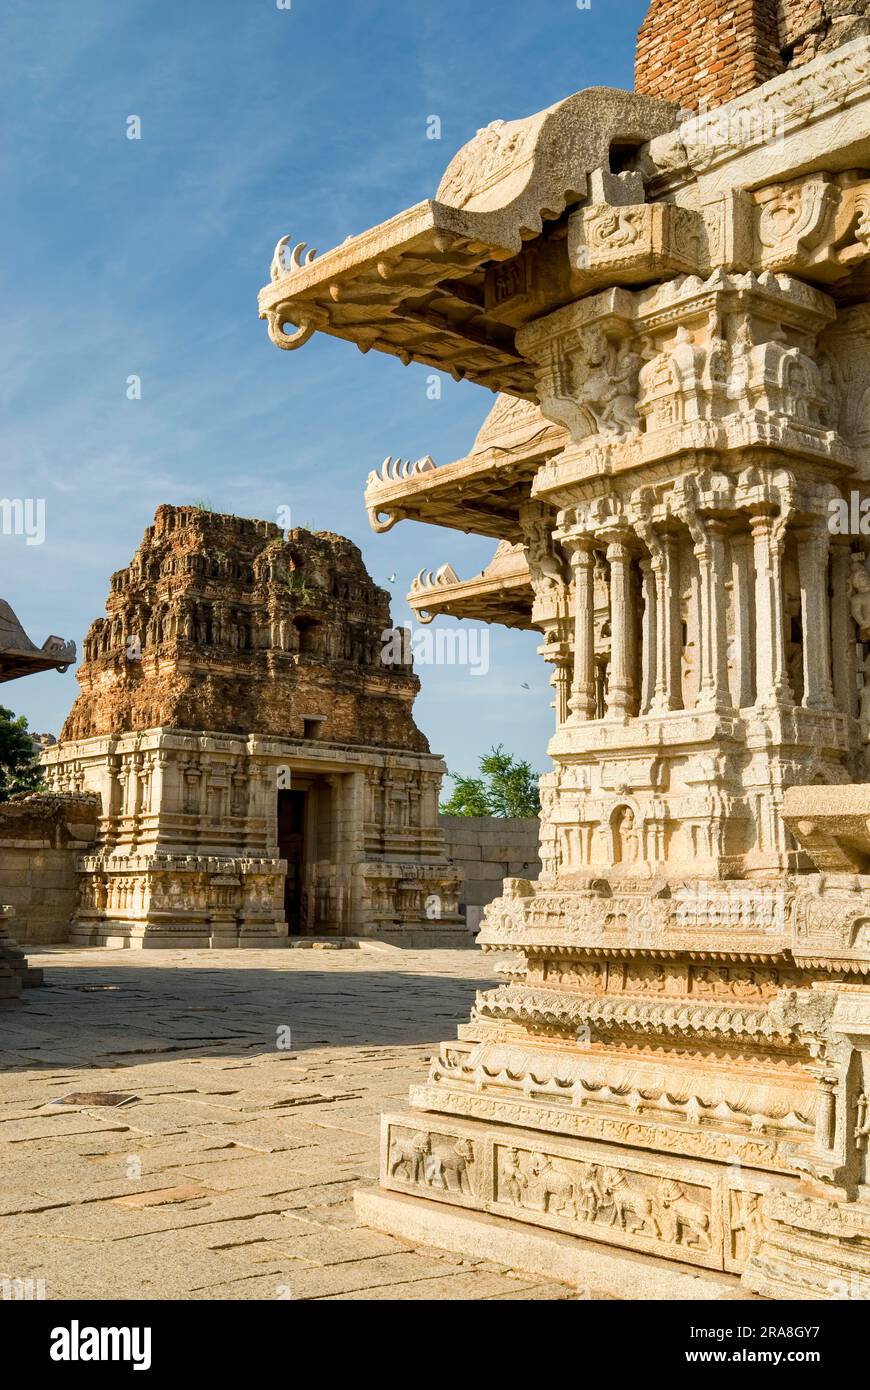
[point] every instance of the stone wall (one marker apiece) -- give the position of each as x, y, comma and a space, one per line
489, 849
41, 838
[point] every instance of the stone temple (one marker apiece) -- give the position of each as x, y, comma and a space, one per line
259, 770
675, 310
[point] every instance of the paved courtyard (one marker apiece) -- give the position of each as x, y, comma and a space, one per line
224, 1165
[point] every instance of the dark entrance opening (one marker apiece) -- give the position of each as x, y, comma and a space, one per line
291, 842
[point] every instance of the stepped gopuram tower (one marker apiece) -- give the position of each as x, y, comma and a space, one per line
259, 768
675, 309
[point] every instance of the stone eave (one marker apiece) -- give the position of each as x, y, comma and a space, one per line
481, 493
404, 288
21, 657
413, 286
501, 593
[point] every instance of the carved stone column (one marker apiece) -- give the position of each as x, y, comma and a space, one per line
742, 627
561, 683
826, 1109
582, 701
668, 689
843, 631
768, 542
649, 630
813, 546
620, 689
713, 692
160, 766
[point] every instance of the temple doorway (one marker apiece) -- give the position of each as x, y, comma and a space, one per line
291, 846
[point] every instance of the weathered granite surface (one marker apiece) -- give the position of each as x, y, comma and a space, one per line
678, 1061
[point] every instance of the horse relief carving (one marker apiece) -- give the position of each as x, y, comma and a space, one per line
666, 1210
415, 1159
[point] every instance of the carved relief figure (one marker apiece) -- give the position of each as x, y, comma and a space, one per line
635, 1210
684, 1221
555, 1188
615, 227
610, 385
626, 838
746, 1223
409, 1155
453, 1167
515, 1179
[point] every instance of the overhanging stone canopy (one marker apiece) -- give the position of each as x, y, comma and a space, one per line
21, 657
501, 593
483, 492
435, 284
487, 493
691, 320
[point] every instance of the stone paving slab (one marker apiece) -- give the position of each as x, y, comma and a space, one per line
230, 1172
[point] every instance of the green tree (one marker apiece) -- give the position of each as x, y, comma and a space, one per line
506, 787
19, 769
468, 799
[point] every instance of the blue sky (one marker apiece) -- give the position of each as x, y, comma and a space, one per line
126, 257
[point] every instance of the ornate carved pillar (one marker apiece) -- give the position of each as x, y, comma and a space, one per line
668, 688
560, 680
813, 544
713, 691
582, 701
620, 688
159, 766
768, 542
826, 1109
843, 631
649, 630
742, 628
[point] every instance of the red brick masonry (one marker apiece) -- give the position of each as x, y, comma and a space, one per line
715, 50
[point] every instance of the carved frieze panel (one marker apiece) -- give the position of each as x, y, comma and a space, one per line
658, 1205
643, 1131
703, 916
817, 227
845, 365
440, 1163
642, 1082
632, 245
622, 1205
832, 925
713, 365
